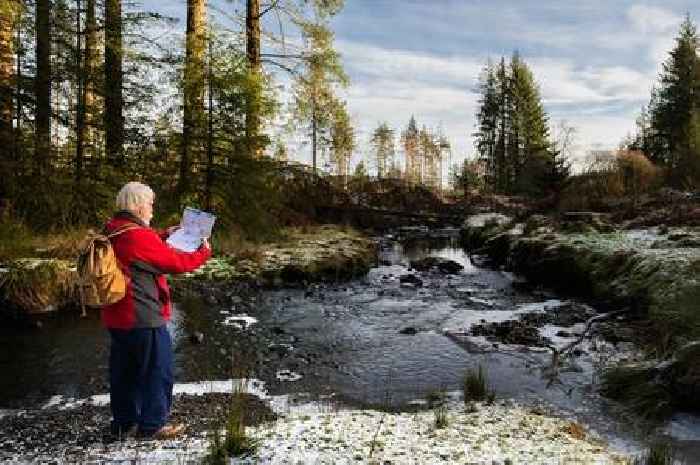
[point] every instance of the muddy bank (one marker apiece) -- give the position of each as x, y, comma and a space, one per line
652, 274
32, 286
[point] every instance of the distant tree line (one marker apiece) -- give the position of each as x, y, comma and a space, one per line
424, 152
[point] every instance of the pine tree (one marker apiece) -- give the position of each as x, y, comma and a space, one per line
674, 104
512, 136
410, 141
383, 143
342, 141
314, 96
487, 118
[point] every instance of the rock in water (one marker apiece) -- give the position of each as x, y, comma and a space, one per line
444, 265
411, 279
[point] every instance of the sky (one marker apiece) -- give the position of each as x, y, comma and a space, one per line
594, 60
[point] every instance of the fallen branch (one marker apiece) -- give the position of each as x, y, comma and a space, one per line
553, 369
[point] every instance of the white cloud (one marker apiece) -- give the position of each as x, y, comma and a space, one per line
563, 82
393, 84
656, 28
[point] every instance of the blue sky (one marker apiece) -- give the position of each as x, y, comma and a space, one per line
595, 60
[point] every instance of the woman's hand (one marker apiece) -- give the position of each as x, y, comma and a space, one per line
169, 231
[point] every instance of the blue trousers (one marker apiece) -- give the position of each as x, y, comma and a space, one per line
140, 378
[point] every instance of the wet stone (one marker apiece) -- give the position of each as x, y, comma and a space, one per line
411, 279
442, 264
510, 332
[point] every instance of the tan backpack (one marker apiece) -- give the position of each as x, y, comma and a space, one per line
100, 278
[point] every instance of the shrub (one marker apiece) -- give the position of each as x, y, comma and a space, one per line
611, 178
638, 175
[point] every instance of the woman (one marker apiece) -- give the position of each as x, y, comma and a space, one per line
141, 362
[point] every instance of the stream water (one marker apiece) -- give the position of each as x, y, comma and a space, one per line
370, 341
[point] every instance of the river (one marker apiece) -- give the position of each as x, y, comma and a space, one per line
371, 341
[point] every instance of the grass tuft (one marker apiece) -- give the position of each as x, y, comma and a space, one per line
639, 389
476, 386
660, 453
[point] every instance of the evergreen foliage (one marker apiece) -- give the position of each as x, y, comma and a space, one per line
668, 127
384, 150
116, 112
512, 137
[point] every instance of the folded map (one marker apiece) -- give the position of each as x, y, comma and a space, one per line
195, 226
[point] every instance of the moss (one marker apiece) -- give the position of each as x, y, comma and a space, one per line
325, 253
38, 285
315, 253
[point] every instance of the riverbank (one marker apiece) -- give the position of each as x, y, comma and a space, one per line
650, 276
69, 431
35, 286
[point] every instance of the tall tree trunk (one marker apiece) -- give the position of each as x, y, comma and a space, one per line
89, 80
17, 140
210, 132
8, 22
313, 136
80, 103
43, 84
193, 114
114, 102
252, 23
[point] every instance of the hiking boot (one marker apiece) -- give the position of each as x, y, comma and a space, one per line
169, 431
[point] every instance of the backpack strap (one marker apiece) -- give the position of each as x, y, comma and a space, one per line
123, 229
115, 233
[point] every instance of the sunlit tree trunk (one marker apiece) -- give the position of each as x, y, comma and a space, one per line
80, 104
193, 114
114, 102
9, 15
42, 84
254, 63
90, 67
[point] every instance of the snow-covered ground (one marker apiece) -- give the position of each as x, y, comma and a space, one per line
324, 433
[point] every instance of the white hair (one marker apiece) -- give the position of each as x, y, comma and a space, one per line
133, 195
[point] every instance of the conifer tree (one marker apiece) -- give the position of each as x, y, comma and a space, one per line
410, 141
487, 122
512, 136
674, 105
383, 143
342, 141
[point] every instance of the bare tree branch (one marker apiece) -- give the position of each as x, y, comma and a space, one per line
270, 7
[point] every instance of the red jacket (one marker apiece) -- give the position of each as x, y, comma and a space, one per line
145, 259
